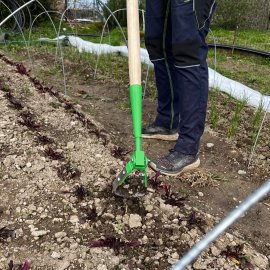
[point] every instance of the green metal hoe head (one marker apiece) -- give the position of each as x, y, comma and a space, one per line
138, 163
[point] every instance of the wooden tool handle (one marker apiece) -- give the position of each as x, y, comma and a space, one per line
134, 52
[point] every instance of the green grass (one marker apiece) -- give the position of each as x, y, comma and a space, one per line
248, 38
256, 121
250, 70
219, 177
47, 30
247, 69
236, 118
225, 114
214, 113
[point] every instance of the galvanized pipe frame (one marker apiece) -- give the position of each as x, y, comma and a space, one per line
16, 12
223, 225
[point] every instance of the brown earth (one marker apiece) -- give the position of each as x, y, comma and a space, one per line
107, 103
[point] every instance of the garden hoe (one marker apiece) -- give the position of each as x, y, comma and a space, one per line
139, 161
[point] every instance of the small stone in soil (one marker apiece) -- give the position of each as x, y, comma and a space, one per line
209, 145
242, 172
200, 194
56, 255
135, 221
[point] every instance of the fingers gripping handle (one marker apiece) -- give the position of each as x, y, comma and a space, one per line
134, 42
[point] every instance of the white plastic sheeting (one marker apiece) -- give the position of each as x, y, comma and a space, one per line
237, 90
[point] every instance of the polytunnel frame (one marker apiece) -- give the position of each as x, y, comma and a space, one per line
223, 225
233, 216
58, 44
20, 8
12, 14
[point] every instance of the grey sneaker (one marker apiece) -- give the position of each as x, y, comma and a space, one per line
175, 163
157, 132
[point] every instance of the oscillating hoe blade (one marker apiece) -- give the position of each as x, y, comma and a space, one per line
117, 182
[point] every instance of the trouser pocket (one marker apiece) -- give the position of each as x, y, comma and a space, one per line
154, 29
185, 35
204, 10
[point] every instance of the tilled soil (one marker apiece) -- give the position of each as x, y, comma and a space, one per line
56, 172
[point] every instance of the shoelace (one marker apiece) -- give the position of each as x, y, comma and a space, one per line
171, 156
167, 160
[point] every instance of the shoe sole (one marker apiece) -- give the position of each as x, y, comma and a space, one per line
188, 168
173, 137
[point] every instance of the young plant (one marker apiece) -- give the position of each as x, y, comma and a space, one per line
80, 192
52, 154
227, 100
214, 116
24, 266
90, 214
68, 172
119, 152
219, 177
114, 243
42, 139
154, 182
256, 121
15, 103
194, 221
27, 119
172, 198
236, 119
70, 107
214, 113
21, 69
237, 255
5, 234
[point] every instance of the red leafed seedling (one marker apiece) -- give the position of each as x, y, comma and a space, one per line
119, 152
68, 172
15, 103
172, 198
104, 138
90, 214
37, 83
154, 181
44, 140
69, 107
5, 234
194, 221
52, 154
24, 266
114, 243
21, 69
27, 119
81, 192
237, 253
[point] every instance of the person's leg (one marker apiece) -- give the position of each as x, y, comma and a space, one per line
190, 51
157, 38
190, 81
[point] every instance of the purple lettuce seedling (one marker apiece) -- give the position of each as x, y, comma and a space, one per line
114, 243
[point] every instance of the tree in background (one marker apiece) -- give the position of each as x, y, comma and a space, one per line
121, 15
232, 14
251, 14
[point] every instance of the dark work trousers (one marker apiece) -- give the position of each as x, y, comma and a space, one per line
175, 39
